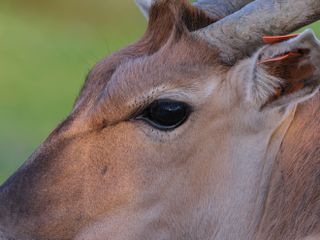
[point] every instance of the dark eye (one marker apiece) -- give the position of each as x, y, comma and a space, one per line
166, 114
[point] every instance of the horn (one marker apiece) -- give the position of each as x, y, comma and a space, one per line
240, 34
145, 6
217, 9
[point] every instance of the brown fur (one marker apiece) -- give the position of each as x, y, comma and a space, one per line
93, 167
58, 176
293, 72
167, 18
292, 210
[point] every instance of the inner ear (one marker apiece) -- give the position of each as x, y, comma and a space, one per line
287, 72
296, 66
294, 71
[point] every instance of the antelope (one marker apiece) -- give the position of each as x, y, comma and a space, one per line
200, 130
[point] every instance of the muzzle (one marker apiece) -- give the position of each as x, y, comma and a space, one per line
2, 237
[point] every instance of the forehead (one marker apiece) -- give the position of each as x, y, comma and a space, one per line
180, 63
169, 56
179, 70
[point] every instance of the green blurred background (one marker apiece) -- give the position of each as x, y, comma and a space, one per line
46, 49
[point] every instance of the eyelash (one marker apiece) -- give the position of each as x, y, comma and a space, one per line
165, 114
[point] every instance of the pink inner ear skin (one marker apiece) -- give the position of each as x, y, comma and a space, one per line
281, 57
277, 39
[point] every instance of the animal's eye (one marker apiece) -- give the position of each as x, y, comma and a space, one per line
166, 114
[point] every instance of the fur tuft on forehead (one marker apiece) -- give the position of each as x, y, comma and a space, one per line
173, 17
169, 20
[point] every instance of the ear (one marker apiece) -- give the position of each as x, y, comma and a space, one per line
145, 6
286, 71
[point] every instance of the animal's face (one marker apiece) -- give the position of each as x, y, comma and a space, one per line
160, 132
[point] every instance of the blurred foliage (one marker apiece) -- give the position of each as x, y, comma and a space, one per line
46, 49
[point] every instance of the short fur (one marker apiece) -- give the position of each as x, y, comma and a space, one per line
292, 209
103, 174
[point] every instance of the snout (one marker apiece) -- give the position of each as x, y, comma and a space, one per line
4, 216
43, 199
3, 236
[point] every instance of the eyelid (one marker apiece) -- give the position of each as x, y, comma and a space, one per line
144, 107
144, 115
191, 95
186, 95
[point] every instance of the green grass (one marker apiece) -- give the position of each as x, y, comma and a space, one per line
43, 62
46, 49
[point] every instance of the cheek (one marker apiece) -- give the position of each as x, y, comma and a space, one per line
124, 165
112, 170
125, 162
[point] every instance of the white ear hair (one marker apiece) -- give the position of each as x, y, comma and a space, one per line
145, 6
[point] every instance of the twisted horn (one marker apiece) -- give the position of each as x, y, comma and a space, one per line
219, 9
240, 34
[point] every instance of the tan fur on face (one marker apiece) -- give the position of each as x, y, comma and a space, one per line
169, 22
105, 174
84, 169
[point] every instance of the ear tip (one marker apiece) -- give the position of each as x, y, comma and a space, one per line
308, 34
308, 30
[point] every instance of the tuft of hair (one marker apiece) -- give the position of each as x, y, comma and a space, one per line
169, 20
173, 17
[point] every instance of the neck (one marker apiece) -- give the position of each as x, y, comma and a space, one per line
240, 205
292, 207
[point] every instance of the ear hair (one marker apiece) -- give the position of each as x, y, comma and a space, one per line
286, 73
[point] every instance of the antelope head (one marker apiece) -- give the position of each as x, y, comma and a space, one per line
174, 136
